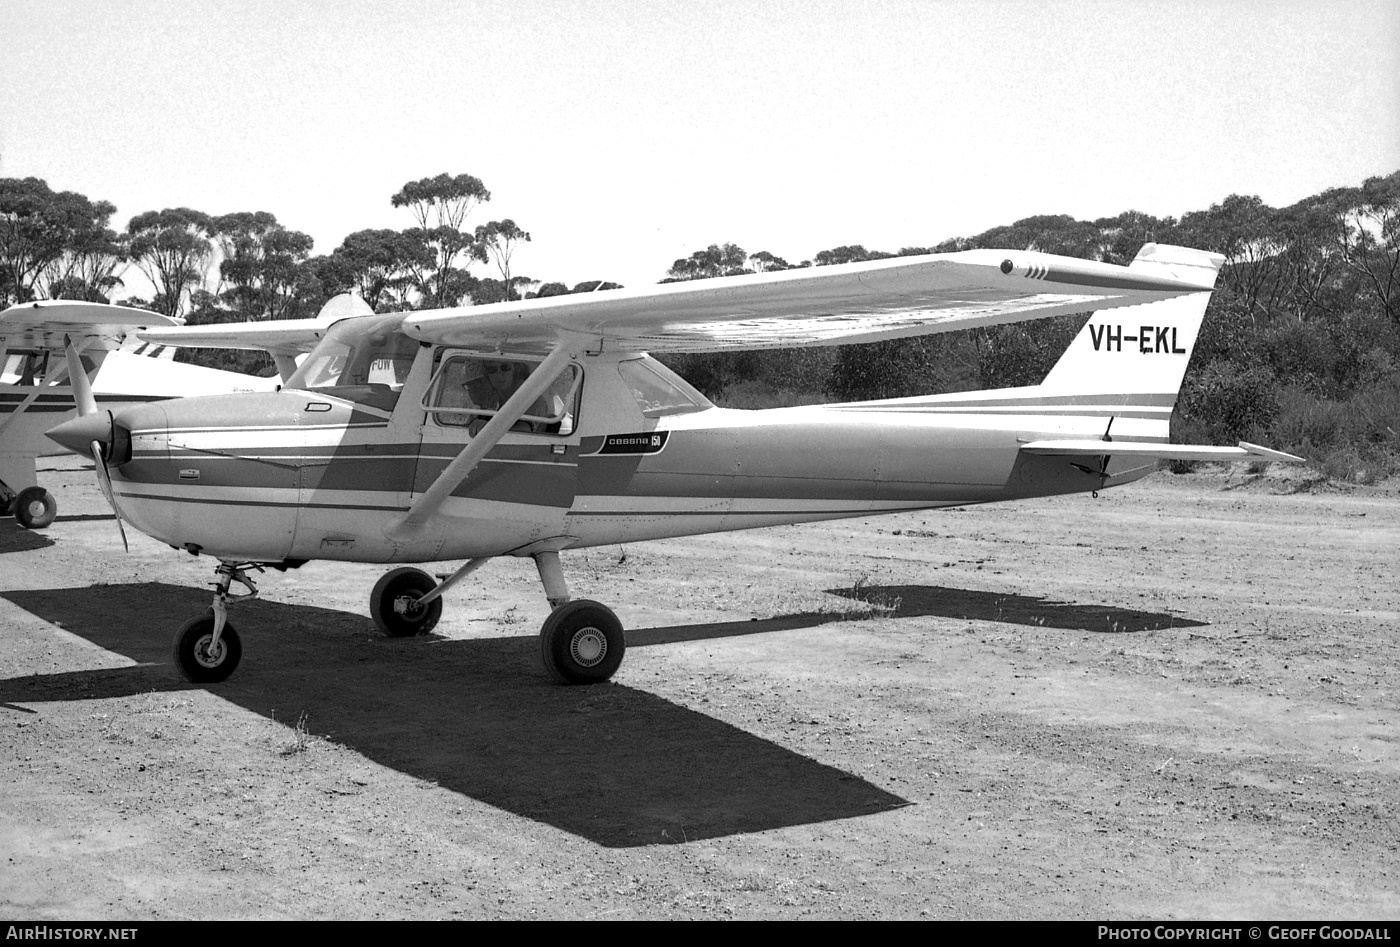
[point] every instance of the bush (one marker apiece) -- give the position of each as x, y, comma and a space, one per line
1301, 352
1023, 354
1354, 440
714, 373
753, 395
1228, 404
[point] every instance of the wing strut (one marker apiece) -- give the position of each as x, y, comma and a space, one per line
286, 365
415, 521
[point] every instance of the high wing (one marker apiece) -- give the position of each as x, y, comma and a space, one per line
285, 337
91, 326
855, 302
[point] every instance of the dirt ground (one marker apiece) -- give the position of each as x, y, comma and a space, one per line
1178, 700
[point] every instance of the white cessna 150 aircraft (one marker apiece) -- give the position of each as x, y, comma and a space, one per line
528, 428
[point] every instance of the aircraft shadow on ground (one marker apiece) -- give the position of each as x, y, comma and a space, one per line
613, 764
15, 538
919, 601
908, 601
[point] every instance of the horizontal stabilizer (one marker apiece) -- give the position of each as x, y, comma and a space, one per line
1091, 447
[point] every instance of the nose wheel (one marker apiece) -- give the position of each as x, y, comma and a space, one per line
200, 657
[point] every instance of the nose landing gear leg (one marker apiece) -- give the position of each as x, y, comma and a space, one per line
207, 648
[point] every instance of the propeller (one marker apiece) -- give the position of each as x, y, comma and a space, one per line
104, 480
92, 432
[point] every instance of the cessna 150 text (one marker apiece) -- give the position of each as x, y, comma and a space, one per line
530, 428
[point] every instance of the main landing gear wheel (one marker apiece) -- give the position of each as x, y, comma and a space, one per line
582, 643
196, 660
35, 508
394, 603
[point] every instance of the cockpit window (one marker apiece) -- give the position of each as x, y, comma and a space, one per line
364, 361
468, 390
659, 390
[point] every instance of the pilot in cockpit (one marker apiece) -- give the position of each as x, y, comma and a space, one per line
486, 385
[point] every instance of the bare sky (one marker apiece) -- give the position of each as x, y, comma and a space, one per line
625, 134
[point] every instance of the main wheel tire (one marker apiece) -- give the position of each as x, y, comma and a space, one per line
194, 659
582, 643
392, 603
35, 508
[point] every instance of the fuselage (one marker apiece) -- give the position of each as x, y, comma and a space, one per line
323, 473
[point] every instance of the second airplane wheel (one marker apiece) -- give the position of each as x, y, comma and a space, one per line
394, 603
582, 643
35, 508
199, 663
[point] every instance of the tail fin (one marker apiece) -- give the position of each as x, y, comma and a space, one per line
1140, 353
344, 306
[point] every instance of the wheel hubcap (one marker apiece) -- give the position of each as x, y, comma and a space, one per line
588, 647
406, 606
36, 508
206, 657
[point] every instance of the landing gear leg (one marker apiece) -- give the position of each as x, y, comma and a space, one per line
207, 649
581, 641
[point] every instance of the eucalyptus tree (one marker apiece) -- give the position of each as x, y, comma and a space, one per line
261, 267
1367, 236
89, 269
38, 226
173, 248
1121, 237
441, 206
595, 286
765, 262
499, 239
855, 253
383, 266
715, 260
1060, 234
1246, 232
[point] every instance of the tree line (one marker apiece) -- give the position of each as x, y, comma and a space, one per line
249, 266
1300, 346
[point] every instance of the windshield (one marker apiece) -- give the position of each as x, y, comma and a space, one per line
362, 360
